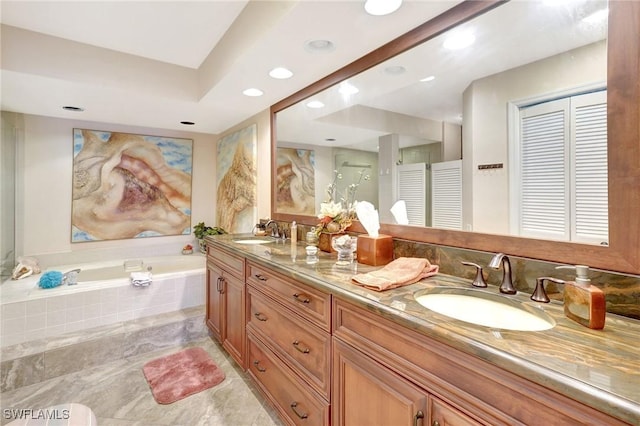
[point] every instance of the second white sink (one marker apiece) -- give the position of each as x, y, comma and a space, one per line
254, 240
485, 309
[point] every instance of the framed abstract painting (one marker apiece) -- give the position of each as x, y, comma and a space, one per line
130, 186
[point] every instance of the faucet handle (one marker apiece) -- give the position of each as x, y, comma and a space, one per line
539, 294
479, 279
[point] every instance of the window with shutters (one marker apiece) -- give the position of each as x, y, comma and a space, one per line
561, 165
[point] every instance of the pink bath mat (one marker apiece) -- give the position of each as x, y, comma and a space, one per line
176, 376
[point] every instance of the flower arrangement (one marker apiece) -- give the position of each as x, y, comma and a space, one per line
337, 214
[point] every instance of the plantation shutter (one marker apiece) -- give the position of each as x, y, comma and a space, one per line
590, 194
544, 184
563, 170
446, 185
412, 180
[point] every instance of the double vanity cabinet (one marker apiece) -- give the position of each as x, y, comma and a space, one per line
324, 351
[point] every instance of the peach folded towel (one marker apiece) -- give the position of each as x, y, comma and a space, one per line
402, 271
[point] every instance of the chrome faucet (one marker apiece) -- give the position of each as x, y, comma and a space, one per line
507, 281
275, 232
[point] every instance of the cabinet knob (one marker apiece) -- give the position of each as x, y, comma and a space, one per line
435, 423
294, 405
302, 349
258, 366
260, 317
303, 298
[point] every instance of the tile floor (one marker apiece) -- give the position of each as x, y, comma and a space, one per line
119, 395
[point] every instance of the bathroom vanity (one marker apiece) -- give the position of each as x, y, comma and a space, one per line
326, 351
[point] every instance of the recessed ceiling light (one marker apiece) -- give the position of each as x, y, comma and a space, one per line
253, 92
347, 89
459, 40
280, 73
319, 46
187, 123
72, 108
315, 104
395, 70
381, 7
430, 78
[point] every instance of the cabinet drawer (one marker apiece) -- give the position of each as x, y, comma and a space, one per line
228, 261
305, 347
295, 403
310, 303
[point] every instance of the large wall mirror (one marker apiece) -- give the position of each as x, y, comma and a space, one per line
523, 141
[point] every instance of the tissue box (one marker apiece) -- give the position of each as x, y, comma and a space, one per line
375, 251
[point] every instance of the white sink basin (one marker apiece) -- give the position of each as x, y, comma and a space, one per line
486, 309
253, 241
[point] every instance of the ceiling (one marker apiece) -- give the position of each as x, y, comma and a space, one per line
155, 64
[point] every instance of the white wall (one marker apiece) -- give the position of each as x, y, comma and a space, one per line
44, 185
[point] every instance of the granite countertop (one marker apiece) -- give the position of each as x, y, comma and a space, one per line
600, 368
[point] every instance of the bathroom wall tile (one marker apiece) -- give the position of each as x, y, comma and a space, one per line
21, 372
34, 335
55, 318
75, 314
92, 298
57, 303
75, 299
93, 322
13, 326
74, 326
125, 316
92, 311
37, 306
108, 295
55, 330
13, 310
35, 322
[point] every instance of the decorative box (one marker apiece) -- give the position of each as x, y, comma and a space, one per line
375, 251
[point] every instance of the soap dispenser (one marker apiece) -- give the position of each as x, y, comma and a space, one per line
584, 302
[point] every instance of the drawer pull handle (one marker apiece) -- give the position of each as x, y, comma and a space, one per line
420, 415
260, 277
435, 423
258, 367
259, 316
301, 415
301, 298
296, 344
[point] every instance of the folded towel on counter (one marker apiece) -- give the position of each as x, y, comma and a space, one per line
141, 279
402, 271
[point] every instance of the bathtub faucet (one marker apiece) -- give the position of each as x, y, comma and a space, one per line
71, 277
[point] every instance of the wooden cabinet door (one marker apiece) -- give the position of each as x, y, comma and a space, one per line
442, 414
215, 298
367, 393
234, 321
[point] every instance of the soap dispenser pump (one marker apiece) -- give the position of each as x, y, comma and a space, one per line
584, 302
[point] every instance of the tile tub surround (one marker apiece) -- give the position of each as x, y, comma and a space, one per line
595, 367
119, 395
52, 312
36, 361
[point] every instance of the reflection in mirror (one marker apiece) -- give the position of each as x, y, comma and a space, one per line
459, 133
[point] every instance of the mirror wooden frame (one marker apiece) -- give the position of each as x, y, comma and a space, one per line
623, 99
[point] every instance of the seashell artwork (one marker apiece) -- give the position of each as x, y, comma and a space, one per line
26, 266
